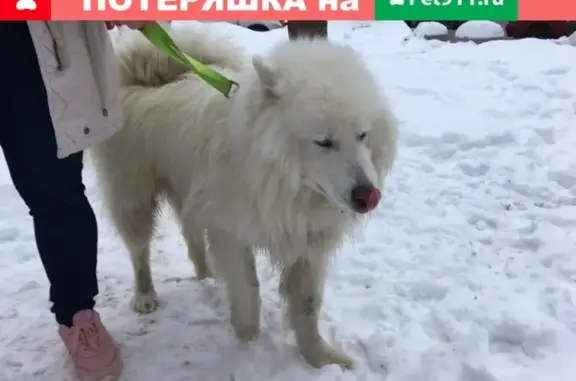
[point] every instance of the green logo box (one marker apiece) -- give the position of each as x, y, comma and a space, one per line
500, 10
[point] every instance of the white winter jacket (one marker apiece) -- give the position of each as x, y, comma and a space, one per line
79, 70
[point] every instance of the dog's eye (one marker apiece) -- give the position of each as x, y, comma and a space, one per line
326, 143
362, 136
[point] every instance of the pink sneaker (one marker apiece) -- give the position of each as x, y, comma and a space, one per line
92, 350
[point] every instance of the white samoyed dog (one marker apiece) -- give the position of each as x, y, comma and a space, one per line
290, 165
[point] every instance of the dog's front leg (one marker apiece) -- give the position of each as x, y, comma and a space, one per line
302, 285
235, 263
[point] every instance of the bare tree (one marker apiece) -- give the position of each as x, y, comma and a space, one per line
307, 29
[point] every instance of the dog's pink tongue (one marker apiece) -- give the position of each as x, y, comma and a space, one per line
373, 199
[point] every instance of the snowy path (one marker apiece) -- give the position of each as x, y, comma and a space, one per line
466, 273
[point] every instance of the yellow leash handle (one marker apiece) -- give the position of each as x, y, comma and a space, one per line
160, 38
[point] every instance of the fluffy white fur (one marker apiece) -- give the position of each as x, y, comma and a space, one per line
247, 170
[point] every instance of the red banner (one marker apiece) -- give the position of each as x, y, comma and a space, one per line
25, 10
72, 10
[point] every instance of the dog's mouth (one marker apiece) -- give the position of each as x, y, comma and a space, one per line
322, 192
320, 189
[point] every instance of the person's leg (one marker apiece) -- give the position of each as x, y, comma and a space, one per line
52, 188
64, 222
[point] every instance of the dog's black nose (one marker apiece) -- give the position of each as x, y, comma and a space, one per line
365, 198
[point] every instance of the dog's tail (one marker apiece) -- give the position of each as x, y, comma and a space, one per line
141, 64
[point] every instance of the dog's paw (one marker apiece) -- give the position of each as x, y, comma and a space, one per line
249, 333
203, 274
327, 356
144, 303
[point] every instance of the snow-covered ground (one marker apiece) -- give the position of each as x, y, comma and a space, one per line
467, 272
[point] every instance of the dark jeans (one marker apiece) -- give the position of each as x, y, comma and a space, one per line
64, 222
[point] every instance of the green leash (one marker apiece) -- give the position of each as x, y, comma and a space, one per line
158, 36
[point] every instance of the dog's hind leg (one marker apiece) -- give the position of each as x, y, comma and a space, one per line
302, 285
194, 237
134, 214
236, 264
196, 243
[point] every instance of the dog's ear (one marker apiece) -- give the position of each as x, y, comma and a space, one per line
266, 74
